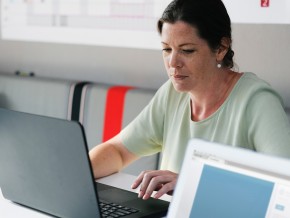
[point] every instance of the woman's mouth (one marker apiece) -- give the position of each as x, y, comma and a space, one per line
178, 77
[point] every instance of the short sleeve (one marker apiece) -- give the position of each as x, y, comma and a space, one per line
269, 128
144, 135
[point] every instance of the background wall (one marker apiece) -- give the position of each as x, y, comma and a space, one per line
262, 49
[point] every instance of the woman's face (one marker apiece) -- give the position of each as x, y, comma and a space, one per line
189, 61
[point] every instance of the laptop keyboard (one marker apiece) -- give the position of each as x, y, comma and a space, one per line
112, 210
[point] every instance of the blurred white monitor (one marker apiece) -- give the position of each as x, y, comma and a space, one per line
222, 181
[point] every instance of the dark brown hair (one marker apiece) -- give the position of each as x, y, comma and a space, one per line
209, 17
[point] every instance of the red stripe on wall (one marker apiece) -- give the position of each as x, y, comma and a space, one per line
115, 103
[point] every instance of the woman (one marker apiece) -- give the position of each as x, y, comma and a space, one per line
204, 98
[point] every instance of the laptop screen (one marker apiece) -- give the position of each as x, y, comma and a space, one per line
221, 181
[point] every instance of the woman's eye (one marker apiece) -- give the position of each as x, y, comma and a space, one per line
188, 51
166, 49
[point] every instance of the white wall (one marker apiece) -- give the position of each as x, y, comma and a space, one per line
265, 50
262, 49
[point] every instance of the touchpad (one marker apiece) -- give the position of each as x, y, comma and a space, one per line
109, 193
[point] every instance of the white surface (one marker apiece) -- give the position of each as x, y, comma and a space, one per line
93, 22
9, 209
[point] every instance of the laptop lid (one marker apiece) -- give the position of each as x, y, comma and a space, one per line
221, 181
44, 165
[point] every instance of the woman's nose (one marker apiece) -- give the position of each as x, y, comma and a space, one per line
174, 60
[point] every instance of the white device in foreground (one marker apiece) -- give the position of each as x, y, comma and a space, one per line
219, 181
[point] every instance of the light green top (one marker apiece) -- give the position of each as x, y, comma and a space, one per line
252, 117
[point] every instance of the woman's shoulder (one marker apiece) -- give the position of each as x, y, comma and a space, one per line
251, 85
250, 82
252, 79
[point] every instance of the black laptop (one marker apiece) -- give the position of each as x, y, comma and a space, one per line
44, 165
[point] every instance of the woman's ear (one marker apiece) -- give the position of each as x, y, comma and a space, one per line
223, 48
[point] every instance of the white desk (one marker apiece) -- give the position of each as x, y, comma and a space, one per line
9, 209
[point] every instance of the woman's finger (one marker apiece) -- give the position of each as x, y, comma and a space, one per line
147, 179
163, 181
166, 189
138, 180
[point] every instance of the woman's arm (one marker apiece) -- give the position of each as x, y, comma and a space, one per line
110, 157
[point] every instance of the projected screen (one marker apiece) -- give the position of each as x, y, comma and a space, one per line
124, 23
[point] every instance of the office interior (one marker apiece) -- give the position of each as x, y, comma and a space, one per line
263, 49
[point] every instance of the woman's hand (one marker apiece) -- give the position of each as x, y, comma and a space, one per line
162, 181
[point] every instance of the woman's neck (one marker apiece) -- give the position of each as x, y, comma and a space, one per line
208, 101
